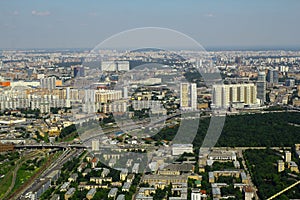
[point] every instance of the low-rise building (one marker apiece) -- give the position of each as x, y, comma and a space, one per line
130, 178
181, 193
161, 181
198, 183
244, 178
55, 197
222, 155
233, 173
280, 165
91, 193
70, 193
121, 197
293, 167
236, 164
40, 189
99, 180
211, 177
197, 194
86, 186
178, 149
73, 177
54, 175
287, 156
6, 147
113, 193
94, 162
86, 172
81, 166
141, 197
65, 186
145, 193
126, 187
105, 172
176, 169
216, 192
248, 193
123, 174
135, 168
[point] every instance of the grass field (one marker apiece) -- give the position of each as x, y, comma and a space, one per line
5, 183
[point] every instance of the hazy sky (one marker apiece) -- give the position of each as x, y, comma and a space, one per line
82, 23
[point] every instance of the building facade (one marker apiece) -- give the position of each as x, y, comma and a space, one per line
188, 96
261, 87
226, 95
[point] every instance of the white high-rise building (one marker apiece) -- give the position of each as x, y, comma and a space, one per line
125, 92
193, 96
88, 105
261, 87
48, 83
188, 96
115, 65
226, 95
89, 96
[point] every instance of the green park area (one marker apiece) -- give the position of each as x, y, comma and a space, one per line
251, 130
263, 168
18, 169
7, 166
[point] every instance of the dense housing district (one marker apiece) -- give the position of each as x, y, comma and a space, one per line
117, 139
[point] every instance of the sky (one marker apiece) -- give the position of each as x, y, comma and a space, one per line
84, 24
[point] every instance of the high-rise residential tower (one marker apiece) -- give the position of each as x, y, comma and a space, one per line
272, 76
188, 96
226, 95
48, 83
261, 87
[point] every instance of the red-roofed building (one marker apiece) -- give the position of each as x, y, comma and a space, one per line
94, 162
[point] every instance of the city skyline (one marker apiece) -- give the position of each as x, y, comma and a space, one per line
156, 100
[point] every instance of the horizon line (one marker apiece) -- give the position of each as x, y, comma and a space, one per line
207, 48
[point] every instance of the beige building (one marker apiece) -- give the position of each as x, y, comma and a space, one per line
99, 180
280, 165
176, 169
123, 174
293, 167
296, 102
91, 193
211, 177
113, 193
225, 95
70, 193
161, 181
188, 96
287, 156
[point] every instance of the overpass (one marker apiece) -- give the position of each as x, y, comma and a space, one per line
49, 146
